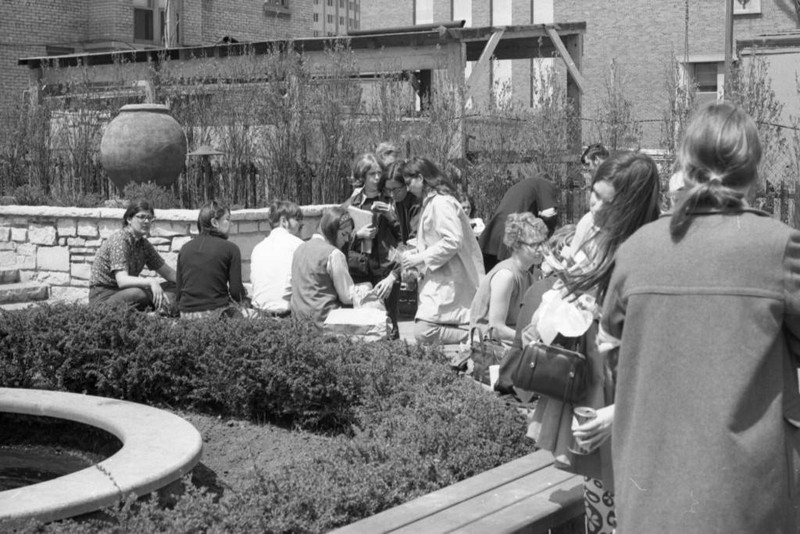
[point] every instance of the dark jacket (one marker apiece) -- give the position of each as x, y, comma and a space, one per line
699, 442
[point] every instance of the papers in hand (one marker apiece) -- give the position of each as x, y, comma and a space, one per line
361, 218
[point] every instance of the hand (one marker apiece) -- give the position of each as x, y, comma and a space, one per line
385, 209
159, 297
594, 432
384, 287
367, 232
410, 261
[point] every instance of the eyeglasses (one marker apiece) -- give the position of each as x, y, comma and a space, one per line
393, 190
536, 246
144, 217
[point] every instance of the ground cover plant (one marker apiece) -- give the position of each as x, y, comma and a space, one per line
396, 422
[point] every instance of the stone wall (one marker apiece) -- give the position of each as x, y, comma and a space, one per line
56, 246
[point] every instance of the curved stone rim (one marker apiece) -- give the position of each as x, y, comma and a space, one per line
157, 448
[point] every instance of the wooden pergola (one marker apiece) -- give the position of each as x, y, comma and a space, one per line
431, 51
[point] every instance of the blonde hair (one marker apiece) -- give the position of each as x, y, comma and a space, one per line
523, 229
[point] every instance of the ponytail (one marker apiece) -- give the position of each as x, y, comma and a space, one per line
710, 194
719, 157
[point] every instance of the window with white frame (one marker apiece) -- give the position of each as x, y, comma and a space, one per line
151, 24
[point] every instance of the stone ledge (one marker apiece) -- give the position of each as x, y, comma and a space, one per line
54, 212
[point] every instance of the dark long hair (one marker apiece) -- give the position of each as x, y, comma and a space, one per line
636, 202
719, 157
333, 219
433, 178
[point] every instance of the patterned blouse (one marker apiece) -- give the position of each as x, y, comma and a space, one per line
123, 251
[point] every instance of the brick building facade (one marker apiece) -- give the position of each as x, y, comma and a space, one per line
639, 36
56, 27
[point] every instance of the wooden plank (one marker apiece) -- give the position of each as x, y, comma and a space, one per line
494, 502
565, 55
481, 68
536, 514
427, 505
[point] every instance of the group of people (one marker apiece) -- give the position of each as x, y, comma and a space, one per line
692, 318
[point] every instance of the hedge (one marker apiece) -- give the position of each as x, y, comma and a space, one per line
402, 423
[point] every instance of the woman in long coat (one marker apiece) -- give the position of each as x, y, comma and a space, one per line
706, 305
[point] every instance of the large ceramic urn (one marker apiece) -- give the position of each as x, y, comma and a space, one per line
144, 143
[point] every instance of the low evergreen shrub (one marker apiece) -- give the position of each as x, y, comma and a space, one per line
402, 423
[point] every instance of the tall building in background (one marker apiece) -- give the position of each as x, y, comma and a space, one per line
336, 17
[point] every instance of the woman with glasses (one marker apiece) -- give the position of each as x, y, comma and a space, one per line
121, 259
497, 302
448, 257
320, 278
407, 207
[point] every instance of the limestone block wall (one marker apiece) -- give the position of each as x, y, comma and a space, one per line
56, 246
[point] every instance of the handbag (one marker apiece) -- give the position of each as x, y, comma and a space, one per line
554, 371
484, 353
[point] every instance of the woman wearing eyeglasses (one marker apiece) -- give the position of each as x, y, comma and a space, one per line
121, 259
497, 302
448, 257
407, 207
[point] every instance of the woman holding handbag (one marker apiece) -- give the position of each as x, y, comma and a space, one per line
706, 305
625, 196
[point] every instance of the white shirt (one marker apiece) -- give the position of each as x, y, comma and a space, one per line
271, 270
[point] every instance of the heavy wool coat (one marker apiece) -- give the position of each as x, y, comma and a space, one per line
705, 376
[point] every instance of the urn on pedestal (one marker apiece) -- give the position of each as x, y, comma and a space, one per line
144, 143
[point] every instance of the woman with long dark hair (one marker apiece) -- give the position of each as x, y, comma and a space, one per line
706, 305
448, 257
320, 278
625, 196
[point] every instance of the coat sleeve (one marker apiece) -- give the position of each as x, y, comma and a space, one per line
612, 318
791, 264
451, 234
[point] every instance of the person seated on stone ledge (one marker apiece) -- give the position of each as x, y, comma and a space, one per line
209, 276
271, 261
122, 257
321, 281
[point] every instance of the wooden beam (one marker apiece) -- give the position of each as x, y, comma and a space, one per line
481, 68
562, 50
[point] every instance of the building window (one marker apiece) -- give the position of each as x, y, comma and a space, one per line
150, 21
316, 33
143, 20
341, 20
316, 17
330, 3
341, 3
330, 19
708, 79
